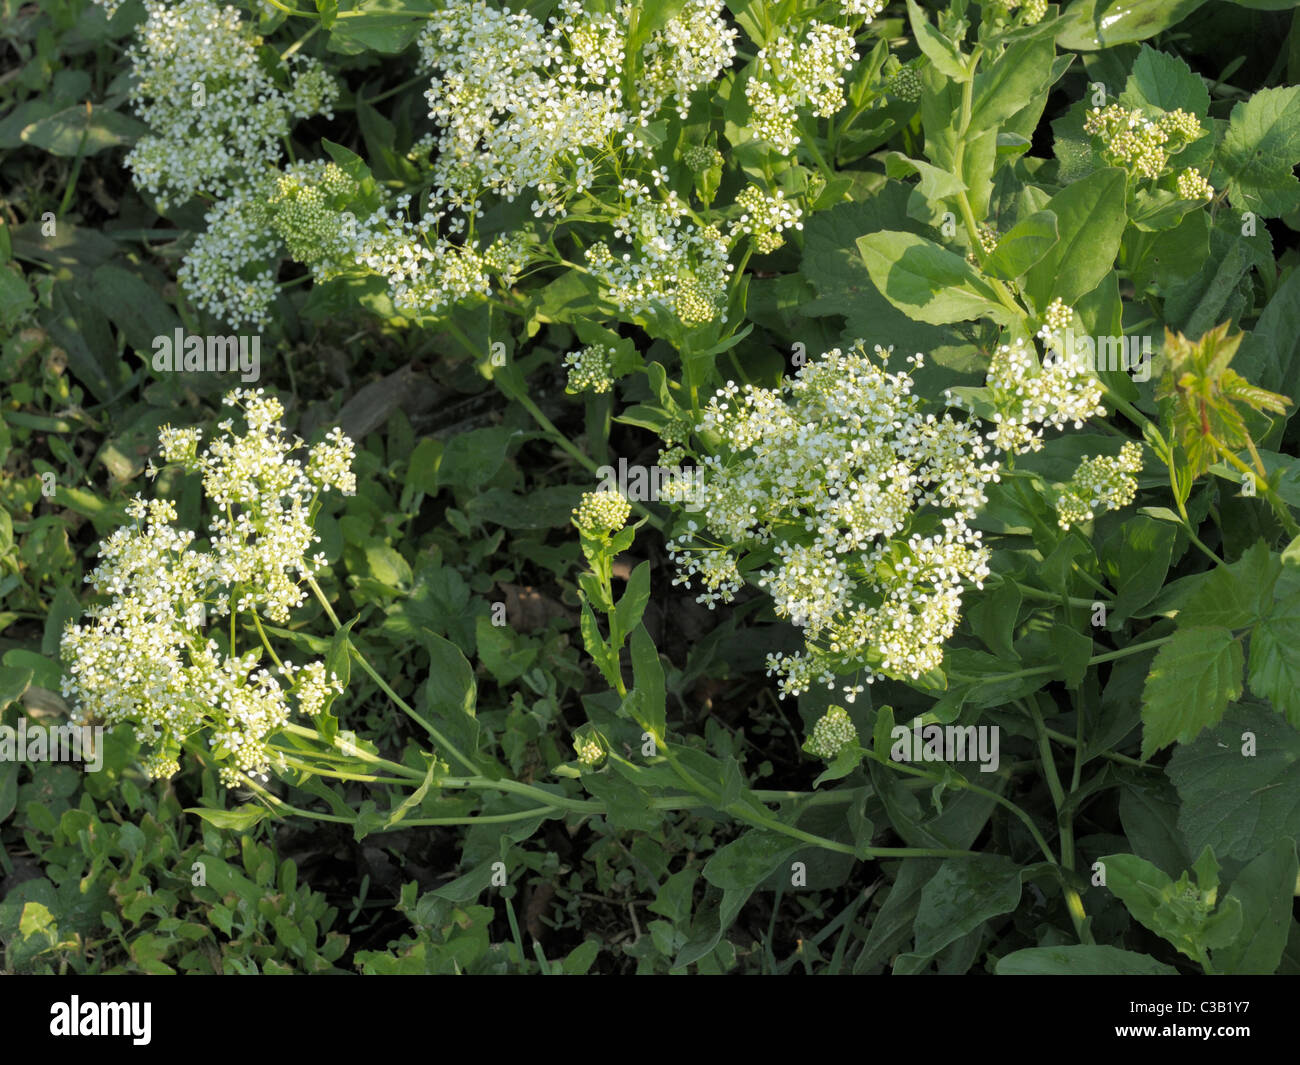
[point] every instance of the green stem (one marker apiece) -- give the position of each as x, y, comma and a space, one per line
1073, 902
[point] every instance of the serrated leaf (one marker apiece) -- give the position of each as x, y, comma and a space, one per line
1236, 801
1260, 150
1192, 680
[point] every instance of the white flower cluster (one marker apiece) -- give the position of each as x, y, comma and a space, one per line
853, 504
859, 499
1100, 481
1029, 396
521, 104
677, 265
765, 217
216, 116
797, 74
145, 659
863, 9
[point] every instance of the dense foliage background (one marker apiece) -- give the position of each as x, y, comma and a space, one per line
952, 194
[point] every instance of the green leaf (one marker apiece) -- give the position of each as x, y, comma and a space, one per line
1092, 24
1240, 784
1259, 151
388, 26
1090, 217
83, 130
1265, 889
648, 674
1137, 564
1077, 959
629, 608
1023, 245
238, 820
1165, 82
1183, 915
943, 53
1020, 74
1192, 680
962, 895
746, 862
1275, 654
926, 281
452, 691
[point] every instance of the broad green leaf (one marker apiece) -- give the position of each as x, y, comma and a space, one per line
1023, 245
629, 608
1270, 354
962, 895
387, 26
1259, 151
83, 130
1078, 959
1017, 77
1183, 913
1192, 680
927, 281
1090, 219
891, 929
1087, 25
1240, 784
1137, 564
452, 692
627, 805
1232, 596
1265, 889
746, 862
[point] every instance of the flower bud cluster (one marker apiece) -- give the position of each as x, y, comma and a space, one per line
1141, 144
833, 732
1100, 481
590, 369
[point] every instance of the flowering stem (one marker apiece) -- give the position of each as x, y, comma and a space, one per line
1073, 902
1109, 656
958, 781
265, 642
1114, 756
